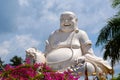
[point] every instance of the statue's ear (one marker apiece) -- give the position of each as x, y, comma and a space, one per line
76, 19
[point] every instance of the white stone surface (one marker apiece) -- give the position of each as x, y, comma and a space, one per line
70, 46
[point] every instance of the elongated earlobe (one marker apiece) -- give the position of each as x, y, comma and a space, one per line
76, 19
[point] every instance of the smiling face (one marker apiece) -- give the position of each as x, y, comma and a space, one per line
68, 22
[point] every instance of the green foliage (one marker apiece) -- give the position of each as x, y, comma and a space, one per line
16, 61
109, 32
34, 72
109, 37
116, 3
116, 78
1, 64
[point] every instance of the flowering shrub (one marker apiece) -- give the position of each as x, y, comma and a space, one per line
34, 72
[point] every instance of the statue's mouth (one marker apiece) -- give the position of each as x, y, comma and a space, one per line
67, 24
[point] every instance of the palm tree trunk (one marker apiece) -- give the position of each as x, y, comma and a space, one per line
112, 64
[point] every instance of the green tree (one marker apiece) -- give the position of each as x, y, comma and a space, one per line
16, 61
109, 36
1, 64
116, 3
116, 78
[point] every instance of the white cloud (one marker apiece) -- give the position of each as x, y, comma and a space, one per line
26, 41
43, 16
48, 4
17, 46
117, 68
4, 48
91, 16
40, 17
23, 2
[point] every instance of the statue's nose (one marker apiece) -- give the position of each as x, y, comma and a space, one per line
66, 20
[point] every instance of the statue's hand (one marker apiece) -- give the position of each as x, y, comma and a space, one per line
80, 61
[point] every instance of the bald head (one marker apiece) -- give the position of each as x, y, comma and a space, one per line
69, 13
68, 21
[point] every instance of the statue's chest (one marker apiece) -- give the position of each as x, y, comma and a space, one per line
62, 38
65, 39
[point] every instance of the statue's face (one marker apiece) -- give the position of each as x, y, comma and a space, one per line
68, 22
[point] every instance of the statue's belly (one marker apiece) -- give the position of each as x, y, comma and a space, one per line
62, 54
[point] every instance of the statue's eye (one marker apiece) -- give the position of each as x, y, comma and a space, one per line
61, 19
70, 18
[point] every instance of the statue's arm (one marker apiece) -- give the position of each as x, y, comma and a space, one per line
85, 44
48, 46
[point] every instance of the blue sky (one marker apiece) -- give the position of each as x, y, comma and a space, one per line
28, 23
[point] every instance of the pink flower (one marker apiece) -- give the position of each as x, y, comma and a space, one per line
27, 72
27, 60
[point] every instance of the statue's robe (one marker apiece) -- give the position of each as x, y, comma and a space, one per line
63, 48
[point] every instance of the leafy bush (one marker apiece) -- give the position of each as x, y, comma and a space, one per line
117, 78
34, 72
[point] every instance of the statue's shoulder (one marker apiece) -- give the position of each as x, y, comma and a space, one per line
54, 32
81, 32
83, 36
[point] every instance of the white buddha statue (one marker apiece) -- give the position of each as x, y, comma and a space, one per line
70, 47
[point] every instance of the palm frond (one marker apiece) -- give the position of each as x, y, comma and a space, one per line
116, 3
112, 49
109, 31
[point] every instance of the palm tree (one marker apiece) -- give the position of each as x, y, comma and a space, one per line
116, 3
16, 61
109, 37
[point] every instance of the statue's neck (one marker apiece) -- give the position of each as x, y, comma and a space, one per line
75, 30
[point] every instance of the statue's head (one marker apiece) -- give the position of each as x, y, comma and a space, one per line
68, 21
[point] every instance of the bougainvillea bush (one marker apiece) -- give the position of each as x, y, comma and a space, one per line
34, 72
